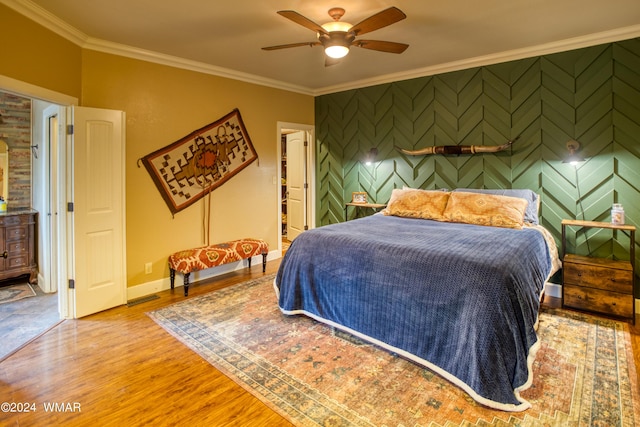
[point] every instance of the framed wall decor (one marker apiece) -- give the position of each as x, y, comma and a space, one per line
191, 167
358, 197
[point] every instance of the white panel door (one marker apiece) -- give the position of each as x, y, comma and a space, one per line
98, 217
296, 193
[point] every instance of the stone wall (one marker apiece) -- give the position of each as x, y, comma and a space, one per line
15, 130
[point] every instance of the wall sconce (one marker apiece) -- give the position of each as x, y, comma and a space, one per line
370, 157
573, 158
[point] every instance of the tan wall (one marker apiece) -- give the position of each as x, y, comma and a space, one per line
32, 54
164, 104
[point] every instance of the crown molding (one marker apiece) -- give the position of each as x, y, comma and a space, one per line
58, 26
594, 39
47, 20
55, 24
187, 64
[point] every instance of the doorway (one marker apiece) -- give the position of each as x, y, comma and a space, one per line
67, 167
36, 308
296, 181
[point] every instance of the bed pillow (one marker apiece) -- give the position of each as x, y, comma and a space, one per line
485, 209
416, 203
530, 215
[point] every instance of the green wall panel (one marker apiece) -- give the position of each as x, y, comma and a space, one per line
591, 95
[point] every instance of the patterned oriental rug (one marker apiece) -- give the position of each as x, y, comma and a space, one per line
312, 374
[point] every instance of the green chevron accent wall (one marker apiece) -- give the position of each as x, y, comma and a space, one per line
591, 95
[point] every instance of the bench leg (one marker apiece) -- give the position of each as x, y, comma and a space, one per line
172, 276
264, 262
249, 262
186, 284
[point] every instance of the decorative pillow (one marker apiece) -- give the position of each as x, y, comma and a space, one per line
485, 209
530, 215
415, 203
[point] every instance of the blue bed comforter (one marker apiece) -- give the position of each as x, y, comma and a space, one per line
460, 299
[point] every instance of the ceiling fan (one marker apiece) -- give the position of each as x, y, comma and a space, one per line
338, 36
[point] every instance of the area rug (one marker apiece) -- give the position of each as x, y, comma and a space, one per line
311, 374
13, 293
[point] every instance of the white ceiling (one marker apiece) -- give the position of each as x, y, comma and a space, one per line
225, 38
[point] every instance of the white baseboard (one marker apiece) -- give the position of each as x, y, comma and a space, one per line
164, 284
555, 290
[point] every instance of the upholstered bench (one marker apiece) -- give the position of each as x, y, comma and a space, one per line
213, 255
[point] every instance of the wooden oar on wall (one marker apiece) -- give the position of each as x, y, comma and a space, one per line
458, 149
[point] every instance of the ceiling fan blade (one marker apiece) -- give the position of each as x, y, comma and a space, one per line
382, 46
285, 46
304, 21
379, 20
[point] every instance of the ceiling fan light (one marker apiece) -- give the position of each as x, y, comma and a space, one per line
336, 51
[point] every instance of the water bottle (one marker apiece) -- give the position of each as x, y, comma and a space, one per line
617, 214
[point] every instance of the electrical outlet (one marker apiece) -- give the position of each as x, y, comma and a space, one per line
148, 268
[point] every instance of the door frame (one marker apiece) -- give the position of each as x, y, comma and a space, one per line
52, 213
295, 141
311, 173
27, 90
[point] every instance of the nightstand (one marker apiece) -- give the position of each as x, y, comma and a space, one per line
599, 285
374, 206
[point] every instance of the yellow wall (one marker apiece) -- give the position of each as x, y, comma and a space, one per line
35, 55
162, 105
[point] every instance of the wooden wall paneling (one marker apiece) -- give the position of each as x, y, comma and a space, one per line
591, 95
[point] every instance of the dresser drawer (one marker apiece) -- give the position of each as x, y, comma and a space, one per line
616, 277
598, 300
8, 220
18, 232
16, 247
16, 262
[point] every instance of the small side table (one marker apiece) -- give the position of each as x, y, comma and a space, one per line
374, 206
599, 285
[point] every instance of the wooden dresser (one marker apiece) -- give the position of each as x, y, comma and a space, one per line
17, 244
599, 285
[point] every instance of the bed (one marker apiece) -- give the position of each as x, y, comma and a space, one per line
449, 281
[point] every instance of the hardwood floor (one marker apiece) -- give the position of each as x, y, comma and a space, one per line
119, 367
123, 369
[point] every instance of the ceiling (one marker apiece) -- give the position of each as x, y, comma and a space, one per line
225, 38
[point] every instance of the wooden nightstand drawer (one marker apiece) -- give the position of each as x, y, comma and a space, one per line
591, 299
616, 276
599, 284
